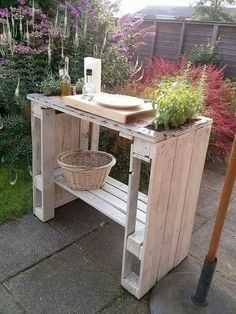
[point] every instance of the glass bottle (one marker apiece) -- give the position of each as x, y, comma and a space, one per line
65, 81
88, 87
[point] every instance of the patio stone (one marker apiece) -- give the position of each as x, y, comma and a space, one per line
227, 250
76, 219
25, 243
208, 202
67, 282
7, 304
215, 179
198, 222
105, 246
127, 304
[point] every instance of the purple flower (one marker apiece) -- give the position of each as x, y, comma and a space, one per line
115, 38
21, 2
75, 27
135, 26
23, 49
4, 13
123, 50
75, 12
125, 19
84, 2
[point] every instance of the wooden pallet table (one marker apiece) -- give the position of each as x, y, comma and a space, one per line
157, 226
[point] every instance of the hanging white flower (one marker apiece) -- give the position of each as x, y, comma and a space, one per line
21, 26
49, 50
12, 22
27, 33
17, 91
1, 122
56, 19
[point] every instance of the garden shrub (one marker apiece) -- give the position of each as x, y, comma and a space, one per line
219, 100
205, 54
32, 50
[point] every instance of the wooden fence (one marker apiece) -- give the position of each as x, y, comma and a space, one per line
175, 38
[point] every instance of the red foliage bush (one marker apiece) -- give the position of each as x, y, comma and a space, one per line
220, 99
157, 68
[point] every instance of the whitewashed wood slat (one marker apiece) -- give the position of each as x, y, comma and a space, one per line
48, 163
75, 133
132, 202
135, 242
111, 199
179, 182
84, 134
159, 189
191, 197
130, 283
58, 149
95, 130
123, 187
123, 196
97, 202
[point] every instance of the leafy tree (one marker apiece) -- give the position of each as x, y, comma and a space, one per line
212, 10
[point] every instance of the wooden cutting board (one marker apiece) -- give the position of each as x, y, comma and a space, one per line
119, 115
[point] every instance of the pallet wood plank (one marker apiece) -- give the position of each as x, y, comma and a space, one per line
48, 163
75, 133
84, 135
135, 241
123, 187
179, 181
191, 197
123, 195
158, 195
132, 202
118, 203
95, 136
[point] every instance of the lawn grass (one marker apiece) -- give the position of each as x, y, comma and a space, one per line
15, 200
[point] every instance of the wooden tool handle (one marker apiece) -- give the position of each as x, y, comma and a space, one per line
224, 204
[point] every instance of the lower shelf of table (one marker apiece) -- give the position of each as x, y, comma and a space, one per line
110, 200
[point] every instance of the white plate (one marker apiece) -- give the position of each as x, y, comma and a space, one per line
118, 101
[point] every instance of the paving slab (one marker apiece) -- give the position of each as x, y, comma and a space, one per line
227, 250
26, 242
7, 304
106, 247
67, 282
127, 304
76, 219
208, 202
199, 220
215, 179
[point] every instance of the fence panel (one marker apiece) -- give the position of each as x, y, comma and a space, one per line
175, 38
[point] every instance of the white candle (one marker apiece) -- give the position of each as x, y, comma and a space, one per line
96, 66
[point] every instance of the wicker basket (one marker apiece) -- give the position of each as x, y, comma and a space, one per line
86, 169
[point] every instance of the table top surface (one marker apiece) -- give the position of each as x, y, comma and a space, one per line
136, 127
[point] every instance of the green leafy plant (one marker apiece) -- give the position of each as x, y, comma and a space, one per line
177, 103
205, 54
50, 86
